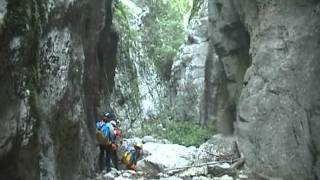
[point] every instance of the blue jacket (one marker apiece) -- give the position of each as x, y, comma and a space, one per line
104, 128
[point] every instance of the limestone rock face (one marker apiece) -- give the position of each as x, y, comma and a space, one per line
57, 65
138, 88
188, 69
269, 54
3, 11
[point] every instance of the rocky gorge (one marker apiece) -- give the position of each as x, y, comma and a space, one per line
249, 69
215, 159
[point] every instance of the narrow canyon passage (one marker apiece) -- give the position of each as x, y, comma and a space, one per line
213, 89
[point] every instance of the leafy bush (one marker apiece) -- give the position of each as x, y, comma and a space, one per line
186, 133
164, 30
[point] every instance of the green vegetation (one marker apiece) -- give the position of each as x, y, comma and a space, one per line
185, 133
161, 32
195, 8
177, 129
164, 31
129, 91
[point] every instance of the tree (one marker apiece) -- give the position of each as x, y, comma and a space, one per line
164, 31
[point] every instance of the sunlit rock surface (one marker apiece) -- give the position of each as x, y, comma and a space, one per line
162, 156
188, 69
138, 89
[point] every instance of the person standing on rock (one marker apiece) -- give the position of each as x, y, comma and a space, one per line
104, 134
115, 143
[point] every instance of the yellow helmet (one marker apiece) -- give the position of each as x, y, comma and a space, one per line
138, 145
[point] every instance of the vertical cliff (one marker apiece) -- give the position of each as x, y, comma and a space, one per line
187, 79
138, 88
269, 84
57, 67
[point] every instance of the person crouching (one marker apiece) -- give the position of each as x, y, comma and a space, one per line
131, 155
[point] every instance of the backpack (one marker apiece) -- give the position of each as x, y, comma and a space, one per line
117, 133
125, 153
103, 133
128, 154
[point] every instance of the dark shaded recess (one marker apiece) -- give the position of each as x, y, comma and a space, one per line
220, 101
9, 165
100, 49
21, 161
236, 32
66, 137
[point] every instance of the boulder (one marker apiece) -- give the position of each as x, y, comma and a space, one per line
217, 148
194, 171
163, 156
172, 178
201, 178
220, 170
226, 177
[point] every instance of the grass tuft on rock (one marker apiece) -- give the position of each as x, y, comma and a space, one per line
186, 133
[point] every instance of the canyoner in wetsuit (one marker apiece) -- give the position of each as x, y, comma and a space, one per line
104, 134
131, 154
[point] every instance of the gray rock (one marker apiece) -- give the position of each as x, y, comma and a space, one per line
220, 170
163, 175
194, 171
172, 178
162, 156
188, 69
108, 176
122, 178
200, 178
138, 88
226, 177
218, 148
3, 11
188, 73
151, 139
147, 139
127, 175
132, 172
52, 57
132, 141
242, 176
269, 82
